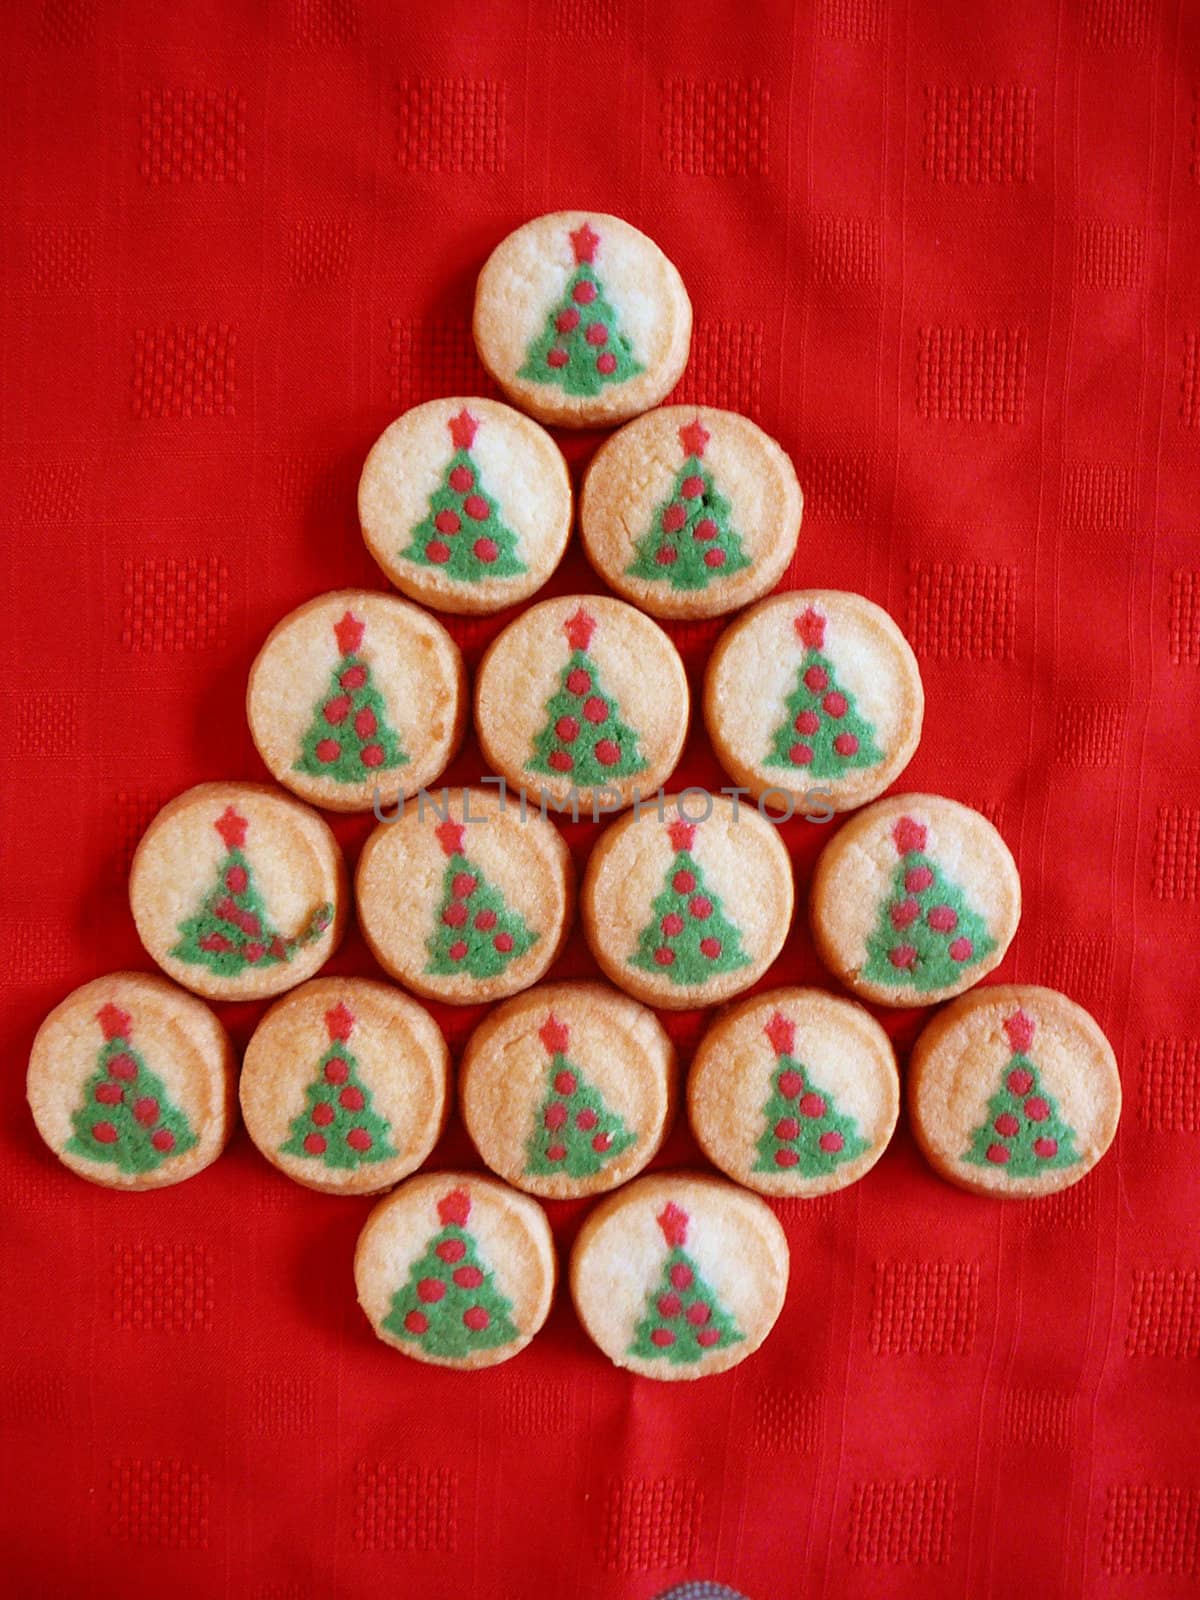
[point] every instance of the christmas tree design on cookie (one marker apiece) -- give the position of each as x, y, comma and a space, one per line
689, 938
691, 539
339, 1124
583, 734
683, 1321
450, 1304
463, 534
581, 348
805, 1131
575, 1132
926, 935
824, 732
475, 933
231, 930
127, 1118
350, 736
1024, 1133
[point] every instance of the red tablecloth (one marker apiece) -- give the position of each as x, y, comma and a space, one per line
948, 255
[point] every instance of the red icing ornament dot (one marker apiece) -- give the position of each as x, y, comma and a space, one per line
336, 1070
437, 552
698, 1314
662, 1337
606, 363
447, 522
672, 924
714, 558
846, 744
556, 1152
700, 907
462, 479
328, 750
323, 1113
476, 1318
943, 919
800, 755
597, 334
1020, 1081
835, 703
236, 880
464, 885
787, 1158
708, 1337
917, 879
457, 950
905, 912
468, 1277
371, 755
665, 556
487, 550
602, 1142
807, 722
693, 488
455, 915
336, 711
109, 1094
476, 507
315, 1144
902, 956
711, 948
669, 1305
566, 321
586, 1119
123, 1066
998, 1154
1006, 1125
1045, 1147
557, 357
681, 1275
812, 1105
961, 950
104, 1133
485, 921
163, 1139
607, 753
353, 678
1036, 1109
673, 518
567, 729
584, 292
816, 679
254, 952
556, 1114
503, 942
706, 528
787, 1128
430, 1290
683, 882
831, 1141
417, 1322
664, 957
561, 760
352, 1098
451, 1250
146, 1111
364, 723
790, 1084
579, 681
595, 709
564, 1083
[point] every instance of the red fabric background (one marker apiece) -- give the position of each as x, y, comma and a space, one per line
947, 254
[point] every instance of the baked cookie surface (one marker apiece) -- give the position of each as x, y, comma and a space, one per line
238, 891
914, 900
344, 1085
357, 694
456, 1270
690, 511
131, 1083
1013, 1091
583, 696
814, 693
465, 504
581, 319
568, 1089
679, 1276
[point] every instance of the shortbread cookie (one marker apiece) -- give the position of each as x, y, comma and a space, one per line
1013, 1090
344, 1085
463, 897
682, 913
679, 1276
456, 1270
914, 900
465, 504
814, 700
583, 696
238, 891
689, 513
357, 695
131, 1083
582, 320
568, 1090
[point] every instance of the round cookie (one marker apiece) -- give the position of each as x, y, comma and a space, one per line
914, 900
679, 1276
794, 1092
344, 1085
468, 899
581, 319
690, 513
682, 913
583, 696
1013, 1091
356, 694
568, 1090
238, 891
814, 697
456, 1270
465, 504
131, 1083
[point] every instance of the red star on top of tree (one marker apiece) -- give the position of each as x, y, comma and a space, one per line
782, 1034
810, 625
681, 833
579, 629
349, 633
340, 1021
554, 1035
450, 837
584, 241
455, 1208
673, 1220
463, 429
114, 1021
231, 825
1019, 1029
694, 437
909, 835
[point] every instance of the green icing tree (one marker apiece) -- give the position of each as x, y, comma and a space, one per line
583, 733
689, 938
927, 935
1024, 1133
450, 1305
127, 1117
581, 348
691, 539
350, 736
683, 1320
463, 534
476, 933
339, 1124
575, 1132
231, 931
824, 732
805, 1132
